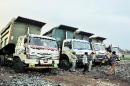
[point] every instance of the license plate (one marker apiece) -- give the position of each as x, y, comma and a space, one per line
43, 61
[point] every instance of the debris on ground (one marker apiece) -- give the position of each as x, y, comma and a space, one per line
96, 77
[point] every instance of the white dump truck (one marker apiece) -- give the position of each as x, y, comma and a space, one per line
22, 47
118, 52
99, 48
67, 43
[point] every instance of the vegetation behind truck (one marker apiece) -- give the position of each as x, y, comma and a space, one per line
24, 50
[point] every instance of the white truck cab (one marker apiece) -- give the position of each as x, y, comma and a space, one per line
77, 46
99, 48
118, 52
100, 51
37, 51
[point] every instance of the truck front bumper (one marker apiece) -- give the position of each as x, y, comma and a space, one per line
39, 64
101, 59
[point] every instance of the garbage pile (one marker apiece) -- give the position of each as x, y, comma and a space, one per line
122, 71
9, 78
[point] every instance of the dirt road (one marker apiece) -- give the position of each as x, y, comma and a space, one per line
97, 77
65, 78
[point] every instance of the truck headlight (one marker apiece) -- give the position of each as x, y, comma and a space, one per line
55, 57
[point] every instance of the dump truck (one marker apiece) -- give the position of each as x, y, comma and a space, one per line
118, 52
68, 40
23, 47
99, 48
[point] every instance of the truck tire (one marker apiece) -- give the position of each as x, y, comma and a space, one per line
64, 64
2, 60
18, 65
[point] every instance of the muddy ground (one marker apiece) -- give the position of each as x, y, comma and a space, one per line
97, 77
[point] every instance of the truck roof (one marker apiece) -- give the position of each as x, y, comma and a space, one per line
77, 40
84, 33
40, 36
63, 27
23, 20
97, 37
29, 21
67, 27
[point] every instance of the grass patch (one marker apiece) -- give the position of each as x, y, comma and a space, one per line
126, 57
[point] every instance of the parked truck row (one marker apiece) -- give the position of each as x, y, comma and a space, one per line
22, 45
79, 42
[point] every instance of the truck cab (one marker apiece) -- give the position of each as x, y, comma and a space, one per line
118, 52
99, 48
100, 51
37, 51
77, 46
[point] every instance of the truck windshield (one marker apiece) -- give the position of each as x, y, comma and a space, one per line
81, 45
99, 47
43, 42
115, 49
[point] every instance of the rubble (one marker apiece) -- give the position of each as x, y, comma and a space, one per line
65, 78
123, 71
9, 78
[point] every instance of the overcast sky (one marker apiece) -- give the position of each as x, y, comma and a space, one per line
107, 18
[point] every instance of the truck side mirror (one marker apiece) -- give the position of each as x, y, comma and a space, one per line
25, 40
68, 44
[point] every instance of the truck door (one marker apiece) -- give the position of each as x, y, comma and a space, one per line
67, 45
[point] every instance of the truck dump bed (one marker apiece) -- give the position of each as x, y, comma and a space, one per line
18, 27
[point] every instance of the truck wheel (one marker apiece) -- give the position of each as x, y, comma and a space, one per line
18, 65
64, 64
2, 60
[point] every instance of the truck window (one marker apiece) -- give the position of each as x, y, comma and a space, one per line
99, 47
68, 44
43, 42
25, 40
2, 43
81, 45
69, 35
115, 49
